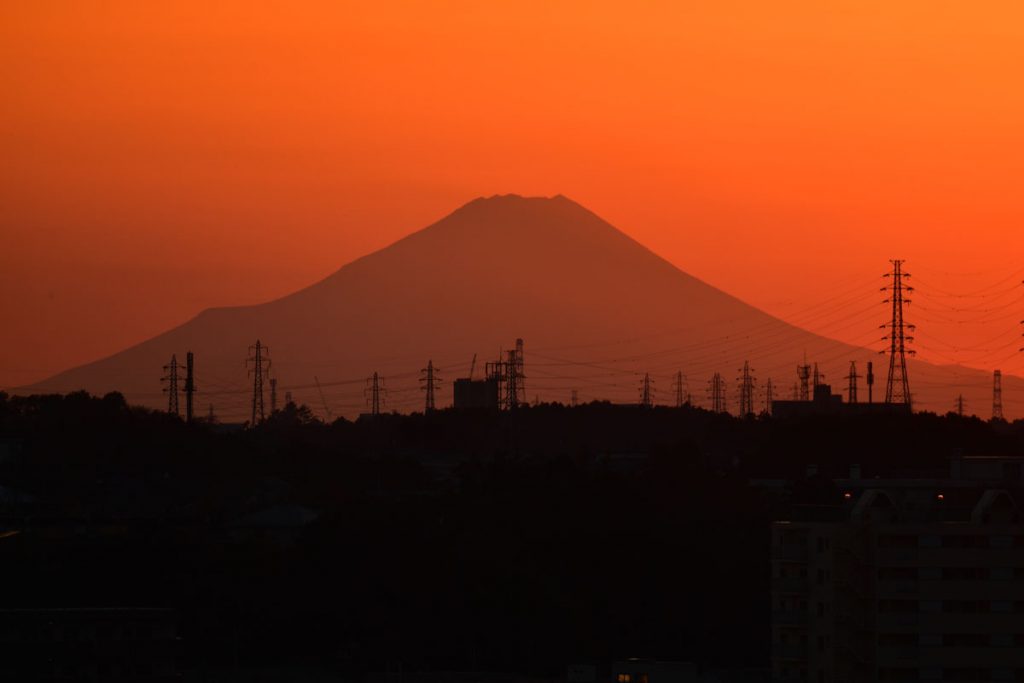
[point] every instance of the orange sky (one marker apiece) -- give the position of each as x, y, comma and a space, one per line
157, 161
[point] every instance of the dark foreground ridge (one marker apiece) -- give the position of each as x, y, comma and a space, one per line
520, 542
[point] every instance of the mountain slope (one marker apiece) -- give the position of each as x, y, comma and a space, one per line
594, 306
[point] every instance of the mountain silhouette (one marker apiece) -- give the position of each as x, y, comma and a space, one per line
596, 310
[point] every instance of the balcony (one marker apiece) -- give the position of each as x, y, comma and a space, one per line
790, 552
789, 618
789, 585
789, 651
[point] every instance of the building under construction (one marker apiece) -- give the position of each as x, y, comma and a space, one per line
503, 386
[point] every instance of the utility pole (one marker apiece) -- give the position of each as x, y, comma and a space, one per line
287, 397
768, 399
190, 385
273, 395
746, 383
870, 379
429, 382
172, 385
803, 372
574, 398
897, 389
679, 385
646, 399
851, 392
375, 391
716, 387
260, 367
997, 395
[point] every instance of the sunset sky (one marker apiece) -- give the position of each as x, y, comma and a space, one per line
158, 160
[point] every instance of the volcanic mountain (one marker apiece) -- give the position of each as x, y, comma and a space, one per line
596, 310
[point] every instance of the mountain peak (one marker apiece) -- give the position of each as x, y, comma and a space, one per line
517, 202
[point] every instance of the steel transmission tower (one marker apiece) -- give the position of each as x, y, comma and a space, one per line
172, 385
430, 382
851, 391
509, 372
897, 389
960, 405
803, 372
768, 398
716, 389
375, 394
870, 379
520, 376
681, 389
574, 398
746, 382
190, 384
646, 396
260, 367
997, 395
819, 378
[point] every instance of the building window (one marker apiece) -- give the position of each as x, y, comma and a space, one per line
1000, 541
1002, 640
624, 678
897, 541
1001, 573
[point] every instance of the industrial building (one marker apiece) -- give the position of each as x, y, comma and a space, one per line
824, 402
904, 580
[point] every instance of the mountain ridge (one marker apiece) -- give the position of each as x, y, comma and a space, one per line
543, 268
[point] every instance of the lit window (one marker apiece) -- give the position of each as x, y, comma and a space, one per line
624, 678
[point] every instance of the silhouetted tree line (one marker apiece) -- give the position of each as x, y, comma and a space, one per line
518, 541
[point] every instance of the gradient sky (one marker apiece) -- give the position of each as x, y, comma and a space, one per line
160, 160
